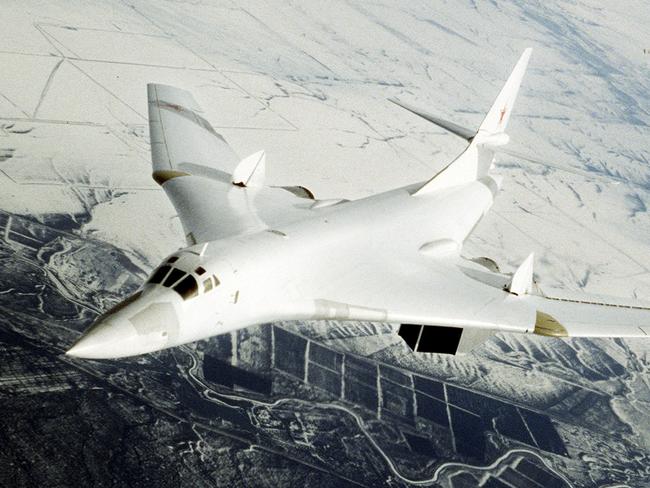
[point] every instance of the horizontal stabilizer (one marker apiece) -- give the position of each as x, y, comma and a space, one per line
456, 129
566, 167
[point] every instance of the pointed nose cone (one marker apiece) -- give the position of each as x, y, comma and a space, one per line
137, 326
109, 338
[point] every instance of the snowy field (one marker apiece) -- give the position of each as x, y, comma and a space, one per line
309, 82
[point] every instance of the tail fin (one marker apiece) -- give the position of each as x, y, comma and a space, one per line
497, 118
474, 163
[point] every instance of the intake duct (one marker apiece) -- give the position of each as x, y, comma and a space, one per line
429, 338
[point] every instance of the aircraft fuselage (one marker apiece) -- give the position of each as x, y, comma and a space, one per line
267, 276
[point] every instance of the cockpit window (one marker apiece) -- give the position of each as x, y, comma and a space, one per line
210, 284
207, 285
172, 259
187, 287
160, 273
173, 277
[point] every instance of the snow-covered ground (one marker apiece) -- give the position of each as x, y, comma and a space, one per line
308, 82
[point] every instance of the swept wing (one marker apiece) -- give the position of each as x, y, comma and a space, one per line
215, 193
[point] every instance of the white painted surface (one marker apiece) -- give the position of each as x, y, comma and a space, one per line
359, 260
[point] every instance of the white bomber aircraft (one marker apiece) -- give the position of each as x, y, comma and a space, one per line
260, 253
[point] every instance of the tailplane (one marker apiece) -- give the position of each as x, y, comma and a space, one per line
474, 163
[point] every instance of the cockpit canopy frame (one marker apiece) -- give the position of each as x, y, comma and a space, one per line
182, 282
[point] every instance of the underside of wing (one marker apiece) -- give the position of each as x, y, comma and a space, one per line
452, 305
215, 193
588, 316
561, 313
436, 304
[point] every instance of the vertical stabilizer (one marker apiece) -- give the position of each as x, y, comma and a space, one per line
497, 118
474, 163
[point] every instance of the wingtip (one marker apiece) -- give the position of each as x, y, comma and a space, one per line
173, 95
